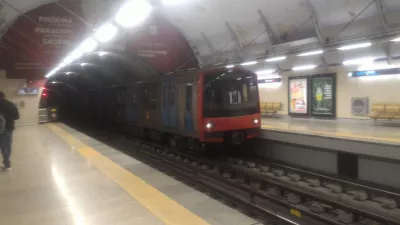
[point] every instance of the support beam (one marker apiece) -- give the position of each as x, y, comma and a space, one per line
388, 52
274, 39
236, 39
210, 46
380, 7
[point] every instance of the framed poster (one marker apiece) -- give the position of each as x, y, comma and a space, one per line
323, 95
298, 96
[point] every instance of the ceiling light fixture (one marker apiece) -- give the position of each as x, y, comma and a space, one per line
355, 46
304, 67
133, 12
317, 52
280, 58
88, 45
262, 72
106, 32
249, 63
360, 61
230, 66
396, 39
51, 73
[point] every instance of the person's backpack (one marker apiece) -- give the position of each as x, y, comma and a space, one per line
2, 123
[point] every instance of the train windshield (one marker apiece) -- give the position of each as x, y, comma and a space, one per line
230, 94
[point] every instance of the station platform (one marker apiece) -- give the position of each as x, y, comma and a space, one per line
63, 177
354, 136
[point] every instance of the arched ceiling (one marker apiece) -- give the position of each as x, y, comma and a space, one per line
235, 30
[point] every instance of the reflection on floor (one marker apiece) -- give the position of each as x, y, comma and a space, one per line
52, 183
382, 132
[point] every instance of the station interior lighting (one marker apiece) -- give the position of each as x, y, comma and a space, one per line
88, 45
280, 58
360, 61
396, 39
355, 46
73, 56
132, 13
249, 63
51, 73
263, 72
304, 67
102, 53
172, 2
317, 52
106, 32
230, 66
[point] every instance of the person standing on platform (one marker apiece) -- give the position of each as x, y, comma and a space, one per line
8, 114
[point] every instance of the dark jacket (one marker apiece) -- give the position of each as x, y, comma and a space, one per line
10, 112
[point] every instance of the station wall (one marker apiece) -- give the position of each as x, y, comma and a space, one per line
382, 89
27, 105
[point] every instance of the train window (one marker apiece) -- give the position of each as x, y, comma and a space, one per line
149, 96
173, 95
133, 98
165, 97
189, 94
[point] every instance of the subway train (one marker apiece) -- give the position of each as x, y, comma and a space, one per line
191, 109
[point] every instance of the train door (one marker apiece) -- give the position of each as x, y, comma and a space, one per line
173, 102
170, 101
189, 125
132, 105
165, 103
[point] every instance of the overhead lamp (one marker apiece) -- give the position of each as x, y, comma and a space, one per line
396, 39
373, 66
89, 45
262, 72
355, 46
101, 53
133, 12
51, 73
304, 67
62, 65
249, 63
317, 52
69, 73
280, 58
172, 2
230, 66
73, 56
360, 61
84, 64
105, 32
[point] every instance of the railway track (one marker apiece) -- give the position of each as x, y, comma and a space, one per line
277, 193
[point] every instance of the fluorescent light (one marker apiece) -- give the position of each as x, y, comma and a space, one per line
69, 73
172, 2
317, 52
230, 66
280, 58
133, 12
71, 57
373, 66
239, 78
349, 74
396, 39
106, 32
101, 53
355, 46
249, 63
84, 64
51, 73
62, 65
360, 61
262, 72
304, 67
88, 45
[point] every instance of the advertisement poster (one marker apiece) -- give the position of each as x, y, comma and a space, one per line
298, 96
323, 92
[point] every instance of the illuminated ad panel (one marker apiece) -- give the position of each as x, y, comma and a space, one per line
323, 95
298, 96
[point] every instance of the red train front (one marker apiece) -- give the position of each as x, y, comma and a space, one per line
228, 106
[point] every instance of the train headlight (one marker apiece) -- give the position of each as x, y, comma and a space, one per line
256, 121
210, 125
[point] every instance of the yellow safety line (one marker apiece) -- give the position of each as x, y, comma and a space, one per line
167, 210
334, 134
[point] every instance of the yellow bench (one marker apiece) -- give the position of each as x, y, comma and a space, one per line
270, 107
385, 111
